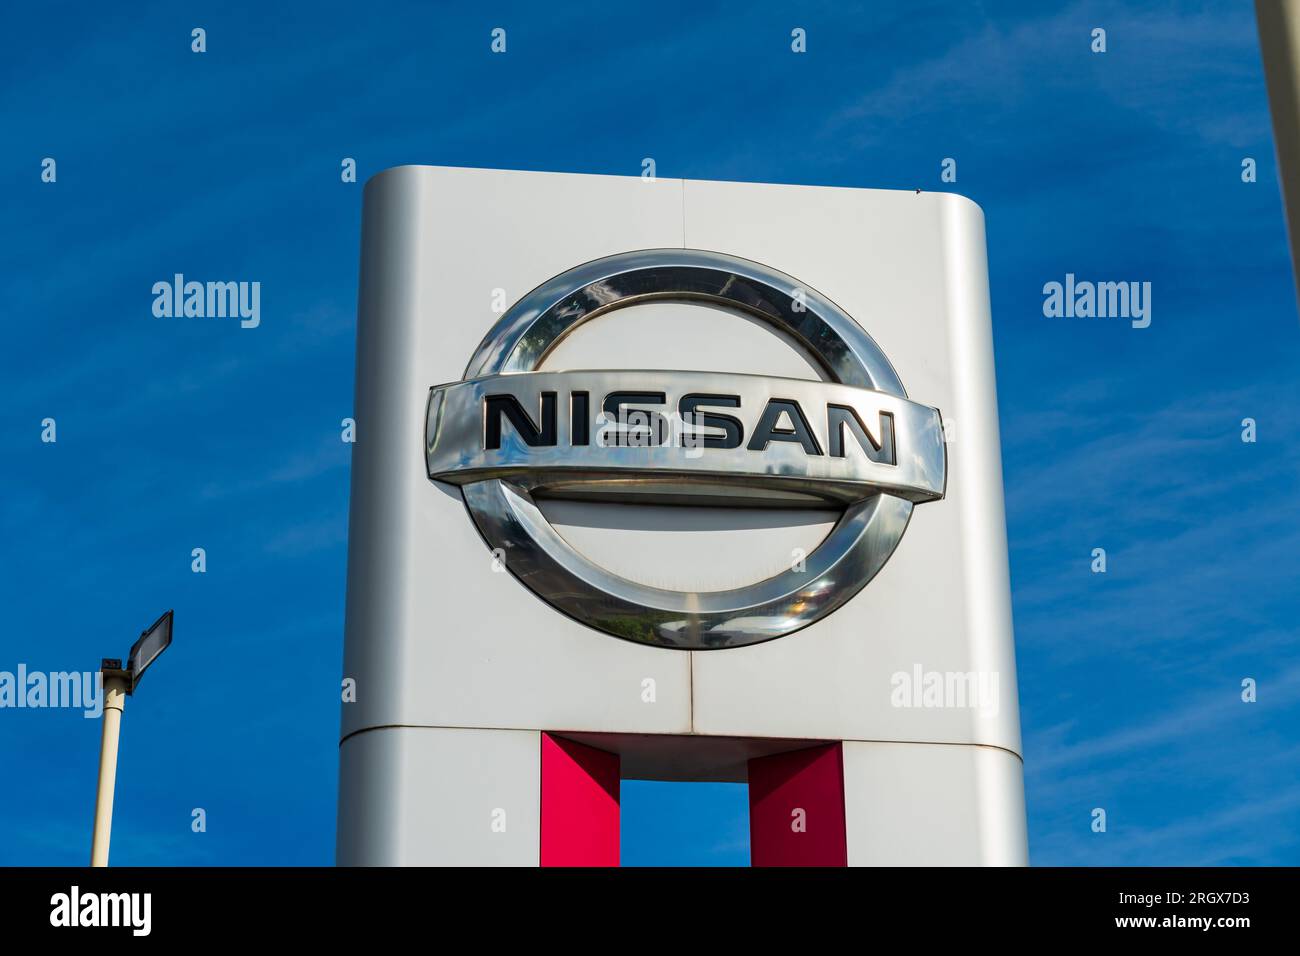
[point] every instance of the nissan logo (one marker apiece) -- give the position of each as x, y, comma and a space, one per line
507, 434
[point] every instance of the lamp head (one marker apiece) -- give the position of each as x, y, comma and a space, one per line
152, 641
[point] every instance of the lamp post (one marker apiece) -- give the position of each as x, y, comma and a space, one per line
119, 683
1279, 44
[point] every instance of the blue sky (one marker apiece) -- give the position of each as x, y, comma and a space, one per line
181, 434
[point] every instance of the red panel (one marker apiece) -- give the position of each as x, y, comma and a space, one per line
796, 808
579, 804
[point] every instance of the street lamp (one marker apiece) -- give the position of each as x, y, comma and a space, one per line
120, 683
1278, 22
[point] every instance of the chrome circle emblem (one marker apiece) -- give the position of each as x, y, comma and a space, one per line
509, 434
